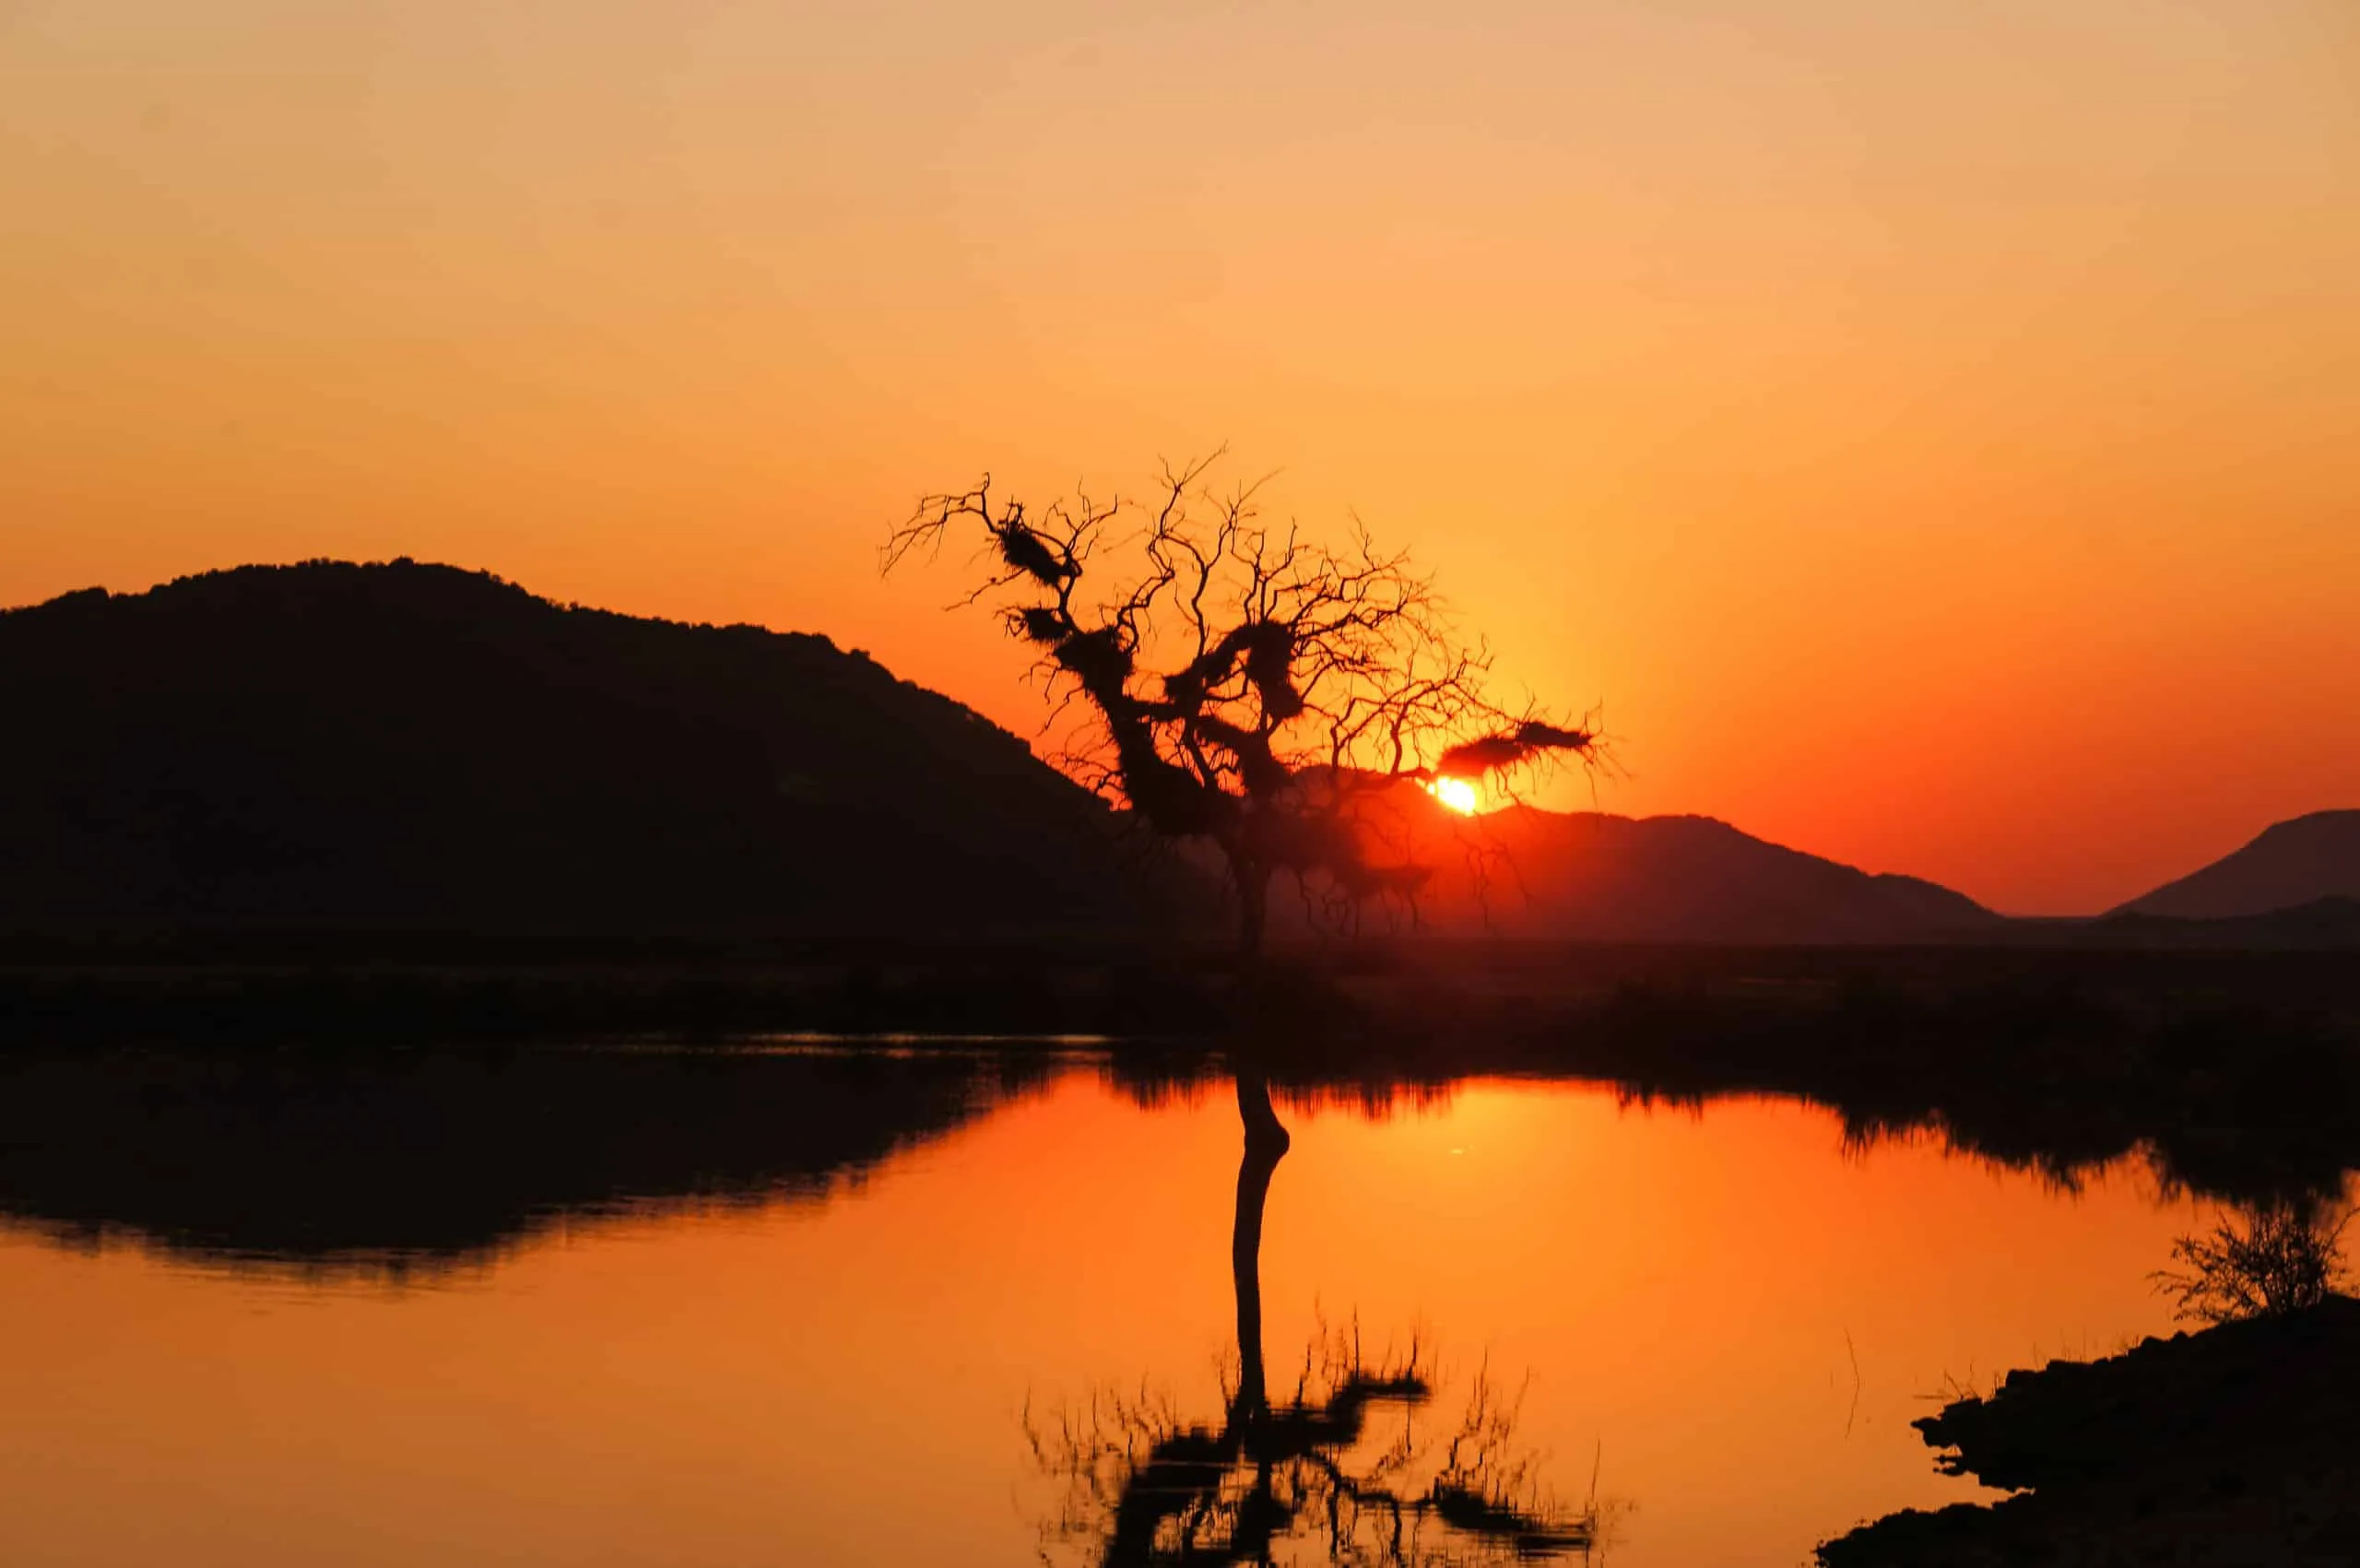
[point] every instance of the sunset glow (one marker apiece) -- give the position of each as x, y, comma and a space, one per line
711, 848
1907, 421
1462, 796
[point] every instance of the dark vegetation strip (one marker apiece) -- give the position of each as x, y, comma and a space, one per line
2238, 1073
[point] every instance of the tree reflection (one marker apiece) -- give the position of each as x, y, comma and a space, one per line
1340, 1465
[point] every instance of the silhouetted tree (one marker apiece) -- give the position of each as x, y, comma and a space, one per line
1248, 686
1253, 689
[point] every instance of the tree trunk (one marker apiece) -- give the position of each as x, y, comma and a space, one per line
1266, 1145
1253, 909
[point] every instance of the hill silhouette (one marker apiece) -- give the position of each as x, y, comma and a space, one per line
2299, 861
348, 753
1592, 876
366, 748
338, 748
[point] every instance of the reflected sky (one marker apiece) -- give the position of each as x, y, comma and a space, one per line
1730, 1313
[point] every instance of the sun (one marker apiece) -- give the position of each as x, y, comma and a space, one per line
1459, 794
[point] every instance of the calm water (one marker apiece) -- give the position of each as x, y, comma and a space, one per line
799, 1310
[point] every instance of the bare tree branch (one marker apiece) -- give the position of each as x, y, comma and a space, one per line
1250, 685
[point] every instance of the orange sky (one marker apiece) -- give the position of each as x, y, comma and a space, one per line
1929, 429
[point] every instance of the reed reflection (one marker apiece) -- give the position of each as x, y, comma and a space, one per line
1347, 1463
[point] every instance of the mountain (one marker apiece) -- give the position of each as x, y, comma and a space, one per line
1591, 876
349, 753
2295, 862
332, 748
1697, 879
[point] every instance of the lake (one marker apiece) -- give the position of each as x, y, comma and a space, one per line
803, 1306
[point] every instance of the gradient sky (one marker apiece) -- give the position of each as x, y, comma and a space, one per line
1928, 430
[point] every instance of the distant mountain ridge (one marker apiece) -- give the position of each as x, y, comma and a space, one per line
401, 746
1592, 876
2297, 862
1699, 879
331, 747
